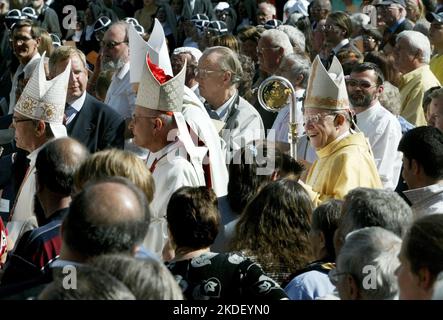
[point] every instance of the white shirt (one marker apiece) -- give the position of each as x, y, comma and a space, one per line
171, 172
281, 122
120, 95
340, 45
426, 200
384, 133
77, 105
23, 218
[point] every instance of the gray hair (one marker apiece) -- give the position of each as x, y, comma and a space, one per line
422, 26
124, 26
376, 248
227, 61
365, 207
293, 65
390, 98
268, 6
417, 41
296, 37
280, 39
359, 19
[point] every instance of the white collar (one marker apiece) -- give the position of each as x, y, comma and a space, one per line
33, 155
165, 150
370, 110
419, 194
123, 71
340, 45
78, 104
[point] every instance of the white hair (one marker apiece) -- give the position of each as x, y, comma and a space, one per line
292, 66
359, 19
280, 39
269, 6
371, 249
417, 41
296, 37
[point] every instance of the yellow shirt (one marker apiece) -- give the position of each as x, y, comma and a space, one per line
342, 165
436, 66
412, 88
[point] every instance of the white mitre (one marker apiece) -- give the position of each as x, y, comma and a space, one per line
45, 99
156, 48
327, 89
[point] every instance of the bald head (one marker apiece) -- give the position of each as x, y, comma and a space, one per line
108, 216
57, 163
122, 206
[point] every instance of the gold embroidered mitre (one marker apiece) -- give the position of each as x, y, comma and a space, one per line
326, 89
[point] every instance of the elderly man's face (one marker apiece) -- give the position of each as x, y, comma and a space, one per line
210, 76
24, 132
320, 10
263, 14
268, 55
115, 48
436, 113
390, 14
142, 127
319, 126
78, 79
404, 56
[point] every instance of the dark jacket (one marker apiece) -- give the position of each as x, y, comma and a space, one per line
97, 126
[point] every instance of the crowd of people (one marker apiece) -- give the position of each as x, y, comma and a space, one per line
135, 150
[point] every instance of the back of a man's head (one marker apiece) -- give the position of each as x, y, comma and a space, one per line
364, 207
57, 163
91, 284
108, 216
370, 256
425, 146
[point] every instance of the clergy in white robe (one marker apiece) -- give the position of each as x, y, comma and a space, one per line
38, 118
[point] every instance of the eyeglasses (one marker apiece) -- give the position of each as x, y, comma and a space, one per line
20, 40
134, 117
111, 44
261, 50
368, 38
16, 120
328, 27
204, 73
333, 276
363, 84
319, 10
315, 118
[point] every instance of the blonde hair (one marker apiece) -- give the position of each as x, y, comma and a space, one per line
63, 53
115, 162
45, 44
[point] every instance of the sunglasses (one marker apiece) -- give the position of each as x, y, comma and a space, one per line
111, 44
359, 83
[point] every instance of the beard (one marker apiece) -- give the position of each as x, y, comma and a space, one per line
112, 65
361, 100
